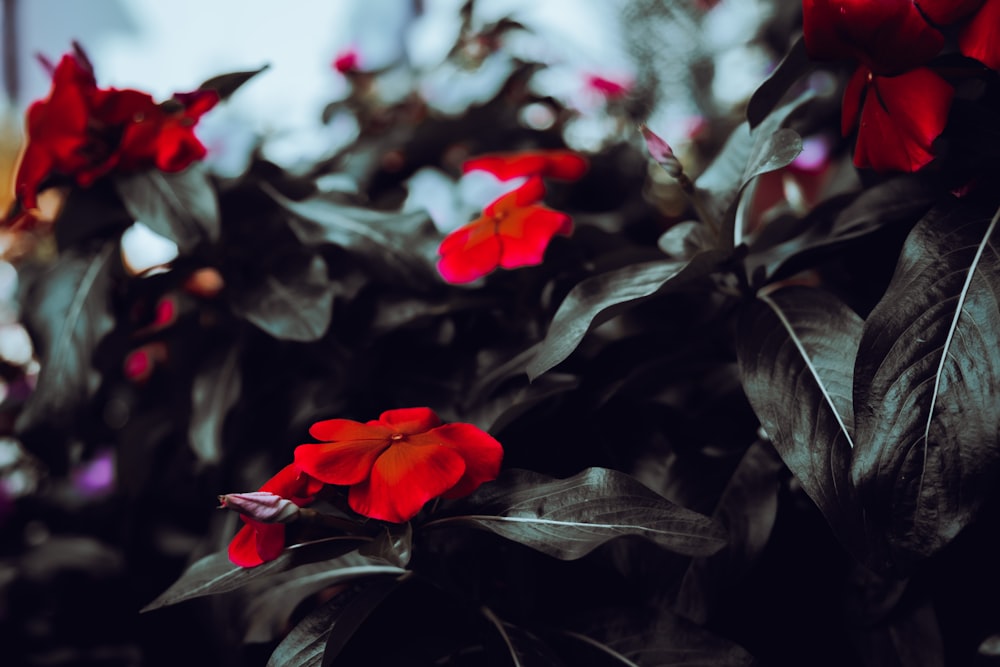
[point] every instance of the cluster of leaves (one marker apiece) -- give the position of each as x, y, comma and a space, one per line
681, 405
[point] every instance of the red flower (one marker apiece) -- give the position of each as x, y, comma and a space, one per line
84, 131
397, 463
943, 12
900, 117
347, 61
258, 542
513, 231
558, 164
888, 36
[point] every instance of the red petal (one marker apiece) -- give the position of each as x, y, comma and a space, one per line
197, 102
117, 107
257, 543
902, 117
480, 451
347, 429
526, 233
980, 38
35, 165
558, 164
470, 253
410, 420
944, 12
564, 165
293, 483
177, 147
529, 193
243, 548
853, 94
346, 462
889, 36
508, 165
404, 478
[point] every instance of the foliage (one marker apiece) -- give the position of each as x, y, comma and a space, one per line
748, 416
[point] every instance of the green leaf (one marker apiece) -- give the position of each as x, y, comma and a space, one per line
268, 614
67, 311
215, 389
599, 298
522, 647
747, 154
569, 518
927, 393
666, 640
293, 302
227, 84
320, 636
215, 573
181, 206
392, 545
903, 199
796, 350
747, 508
792, 67
399, 245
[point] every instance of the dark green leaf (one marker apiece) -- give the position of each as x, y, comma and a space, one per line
268, 613
796, 351
569, 518
792, 67
215, 389
393, 545
321, 635
523, 648
747, 154
667, 640
216, 574
601, 297
227, 84
899, 200
181, 206
67, 311
747, 509
295, 302
400, 245
927, 390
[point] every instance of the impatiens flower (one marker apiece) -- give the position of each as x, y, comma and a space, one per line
83, 131
258, 542
980, 37
900, 117
513, 231
558, 164
888, 36
397, 463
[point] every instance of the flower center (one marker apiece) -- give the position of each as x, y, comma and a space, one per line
396, 437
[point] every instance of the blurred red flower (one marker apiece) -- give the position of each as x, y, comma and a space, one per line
258, 542
888, 36
561, 165
395, 464
513, 231
980, 37
84, 131
898, 106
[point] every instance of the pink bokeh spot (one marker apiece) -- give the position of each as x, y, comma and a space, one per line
95, 477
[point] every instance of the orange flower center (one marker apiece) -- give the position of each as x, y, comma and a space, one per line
396, 437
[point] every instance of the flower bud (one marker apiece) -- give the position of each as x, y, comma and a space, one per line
261, 506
